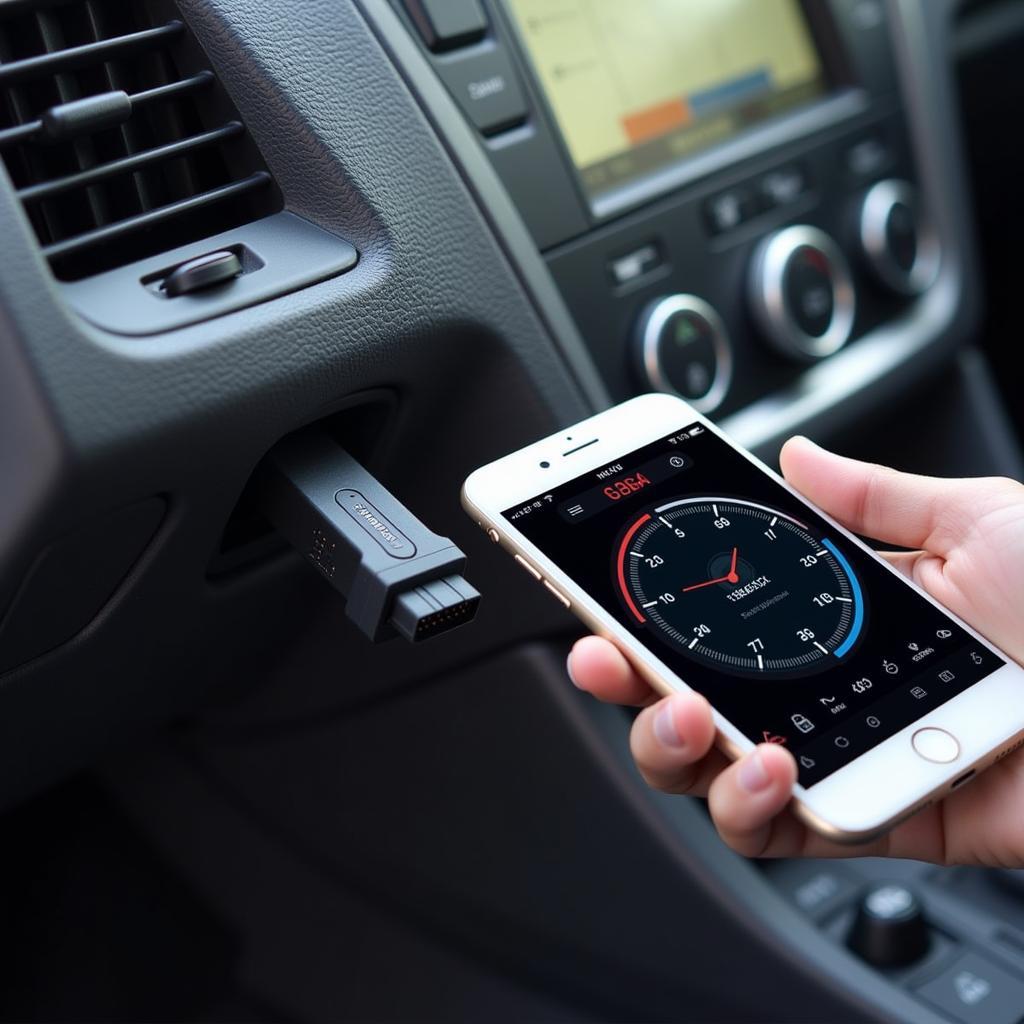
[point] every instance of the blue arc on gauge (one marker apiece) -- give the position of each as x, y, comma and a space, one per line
858, 601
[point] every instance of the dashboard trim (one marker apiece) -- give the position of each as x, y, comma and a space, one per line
933, 327
468, 155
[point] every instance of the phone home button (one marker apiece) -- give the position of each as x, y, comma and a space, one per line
936, 745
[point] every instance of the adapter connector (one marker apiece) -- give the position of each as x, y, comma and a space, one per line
434, 607
396, 575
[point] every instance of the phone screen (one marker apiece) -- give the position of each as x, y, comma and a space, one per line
793, 633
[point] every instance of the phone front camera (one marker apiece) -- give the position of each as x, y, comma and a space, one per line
545, 464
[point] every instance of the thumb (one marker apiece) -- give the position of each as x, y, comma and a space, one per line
882, 503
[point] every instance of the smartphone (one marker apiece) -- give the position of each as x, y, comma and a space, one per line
712, 574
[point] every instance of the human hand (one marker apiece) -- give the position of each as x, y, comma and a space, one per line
969, 541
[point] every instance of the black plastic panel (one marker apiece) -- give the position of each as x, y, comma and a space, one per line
510, 826
716, 266
973, 967
72, 579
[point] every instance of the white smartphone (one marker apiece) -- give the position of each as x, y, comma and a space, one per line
712, 574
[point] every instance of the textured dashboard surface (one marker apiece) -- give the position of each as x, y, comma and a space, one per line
432, 313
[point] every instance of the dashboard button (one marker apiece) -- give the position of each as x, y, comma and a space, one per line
682, 348
867, 157
935, 745
729, 209
636, 264
898, 244
974, 991
445, 24
783, 186
815, 888
529, 568
557, 593
486, 87
801, 293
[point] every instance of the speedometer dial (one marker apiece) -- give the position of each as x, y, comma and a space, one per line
740, 586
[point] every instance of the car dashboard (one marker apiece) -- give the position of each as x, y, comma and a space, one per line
437, 230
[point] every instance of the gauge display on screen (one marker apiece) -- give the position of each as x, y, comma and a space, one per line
740, 586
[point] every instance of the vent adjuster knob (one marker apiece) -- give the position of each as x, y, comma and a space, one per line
203, 272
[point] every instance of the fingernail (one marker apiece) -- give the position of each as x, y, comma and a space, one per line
665, 728
805, 439
753, 774
568, 671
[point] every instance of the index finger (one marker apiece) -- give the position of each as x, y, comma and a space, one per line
599, 667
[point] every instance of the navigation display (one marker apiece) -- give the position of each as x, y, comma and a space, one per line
794, 633
635, 86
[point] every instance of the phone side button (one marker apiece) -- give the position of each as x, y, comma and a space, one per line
494, 535
557, 593
529, 568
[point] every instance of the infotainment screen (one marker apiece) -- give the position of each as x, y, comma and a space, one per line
636, 86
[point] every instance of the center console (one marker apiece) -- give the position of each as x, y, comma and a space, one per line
722, 198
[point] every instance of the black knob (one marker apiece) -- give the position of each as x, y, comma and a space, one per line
900, 247
681, 347
889, 929
801, 293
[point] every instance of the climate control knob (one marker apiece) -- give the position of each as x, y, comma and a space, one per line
801, 293
889, 929
681, 346
900, 247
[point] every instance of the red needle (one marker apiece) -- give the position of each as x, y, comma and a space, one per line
706, 583
729, 577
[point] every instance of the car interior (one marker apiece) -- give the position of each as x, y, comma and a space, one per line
247, 239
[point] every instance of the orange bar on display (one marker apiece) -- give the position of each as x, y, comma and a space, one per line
654, 121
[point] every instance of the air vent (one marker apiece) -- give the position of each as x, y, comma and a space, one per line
117, 136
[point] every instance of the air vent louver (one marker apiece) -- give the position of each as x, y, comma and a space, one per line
116, 134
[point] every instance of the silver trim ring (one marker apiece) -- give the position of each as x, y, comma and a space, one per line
652, 323
874, 220
768, 298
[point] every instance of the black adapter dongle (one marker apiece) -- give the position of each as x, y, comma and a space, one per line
396, 575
